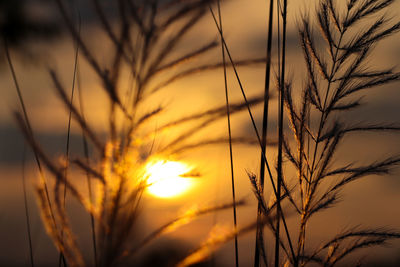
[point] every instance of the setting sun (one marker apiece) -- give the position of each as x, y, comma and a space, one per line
165, 178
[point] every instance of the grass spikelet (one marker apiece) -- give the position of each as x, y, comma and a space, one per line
331, 85
217, 236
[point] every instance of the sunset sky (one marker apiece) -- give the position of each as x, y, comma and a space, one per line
372, 202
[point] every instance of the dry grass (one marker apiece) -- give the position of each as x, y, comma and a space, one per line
317, 125
117, 163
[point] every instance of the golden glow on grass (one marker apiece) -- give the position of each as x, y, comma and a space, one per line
165, 178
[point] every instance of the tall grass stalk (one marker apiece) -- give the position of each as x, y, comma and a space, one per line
67, 146
21, 100
259, 231
85, 147
29, 127
27, 216
229, 133
280, 133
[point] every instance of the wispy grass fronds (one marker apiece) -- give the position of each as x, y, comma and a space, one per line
217, 141
205, 118
318, 126
217, 237
56, 170
207, 67
216, 113
76, 114
187, 217
118, 161
349, 241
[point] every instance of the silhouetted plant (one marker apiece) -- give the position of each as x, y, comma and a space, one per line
118, 163
310, 146
318, 127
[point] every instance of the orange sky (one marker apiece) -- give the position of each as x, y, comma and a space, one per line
371, 202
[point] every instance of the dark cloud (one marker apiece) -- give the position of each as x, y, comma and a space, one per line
12, 144
19, 23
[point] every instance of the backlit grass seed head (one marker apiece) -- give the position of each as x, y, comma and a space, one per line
218, 235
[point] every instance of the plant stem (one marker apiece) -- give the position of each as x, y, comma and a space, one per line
280, 133
259, 231
229, 135
61, 256
86, 155
27, 217
258, 138
29, 128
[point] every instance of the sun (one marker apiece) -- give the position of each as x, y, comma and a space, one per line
165, 178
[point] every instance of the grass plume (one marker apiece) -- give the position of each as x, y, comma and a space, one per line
145, 38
